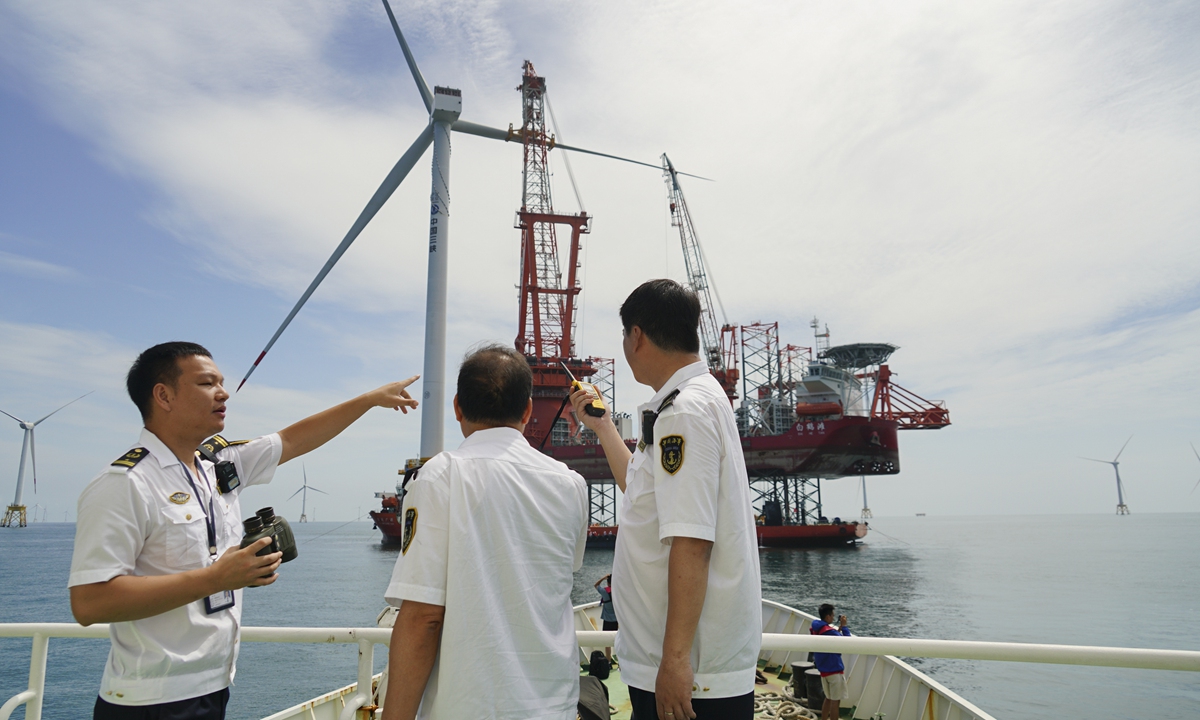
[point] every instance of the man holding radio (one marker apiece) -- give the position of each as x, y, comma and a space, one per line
687, 553
156, 545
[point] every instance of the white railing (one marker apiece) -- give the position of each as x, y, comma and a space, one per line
367, 638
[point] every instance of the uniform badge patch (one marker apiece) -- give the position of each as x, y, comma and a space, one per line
671, 453
179, 498
410, 529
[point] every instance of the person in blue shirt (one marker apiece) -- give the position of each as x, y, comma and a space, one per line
607, 614
833, 677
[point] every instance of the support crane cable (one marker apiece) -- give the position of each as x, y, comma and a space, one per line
566, 156
579, 200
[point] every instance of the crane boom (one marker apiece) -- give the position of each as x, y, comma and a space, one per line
719, 353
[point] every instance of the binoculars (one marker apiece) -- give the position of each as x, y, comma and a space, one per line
265, 523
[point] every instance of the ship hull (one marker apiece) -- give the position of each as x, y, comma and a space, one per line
833, 448
388, 523
769, 536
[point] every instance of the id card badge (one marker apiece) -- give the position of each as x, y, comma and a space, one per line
214, 604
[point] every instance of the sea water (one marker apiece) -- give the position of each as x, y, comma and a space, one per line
1082, 579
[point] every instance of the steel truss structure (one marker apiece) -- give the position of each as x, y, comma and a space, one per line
798, 498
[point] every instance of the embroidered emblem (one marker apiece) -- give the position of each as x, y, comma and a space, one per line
179, 498
671, 453
131, 458
410, 529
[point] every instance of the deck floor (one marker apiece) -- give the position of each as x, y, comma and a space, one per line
618, 694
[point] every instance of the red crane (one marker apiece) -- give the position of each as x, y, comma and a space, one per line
546, 326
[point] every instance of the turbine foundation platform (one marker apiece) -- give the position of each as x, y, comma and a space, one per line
14, 516
1122, 509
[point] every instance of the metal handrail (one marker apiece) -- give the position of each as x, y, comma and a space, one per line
367, 638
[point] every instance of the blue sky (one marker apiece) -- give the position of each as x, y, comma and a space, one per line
1007, 191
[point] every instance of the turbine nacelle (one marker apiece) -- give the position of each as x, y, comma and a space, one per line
447, 104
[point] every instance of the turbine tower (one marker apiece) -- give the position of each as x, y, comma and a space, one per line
445, 106
304, 498
15, 515
1122, 508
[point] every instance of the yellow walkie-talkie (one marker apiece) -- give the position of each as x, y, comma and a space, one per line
596, 407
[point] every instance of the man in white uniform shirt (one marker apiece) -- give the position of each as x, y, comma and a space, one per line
493, 532
156, 544
687, 555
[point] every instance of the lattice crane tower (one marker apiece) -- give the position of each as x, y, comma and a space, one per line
547, 322
718, 342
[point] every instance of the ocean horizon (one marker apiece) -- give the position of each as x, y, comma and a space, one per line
1104, 580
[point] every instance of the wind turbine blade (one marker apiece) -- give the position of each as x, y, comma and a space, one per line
73, 401
470, 128
33, 457
1106, 462
572, 148
14, 417
1192, 444
390, 183
295, 493
412, 62
310, 487
1118, 457
673, 172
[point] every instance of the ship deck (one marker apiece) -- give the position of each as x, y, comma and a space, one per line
766, 697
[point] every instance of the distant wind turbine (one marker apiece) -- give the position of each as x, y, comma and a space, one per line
16, 512
1122, 508
304, 498
1198, 458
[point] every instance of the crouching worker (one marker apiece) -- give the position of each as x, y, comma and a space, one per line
157, 543
493, 532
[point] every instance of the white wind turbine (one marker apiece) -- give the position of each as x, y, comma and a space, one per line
1122, 508
16, 512
1197, 453
444, 105
304, 498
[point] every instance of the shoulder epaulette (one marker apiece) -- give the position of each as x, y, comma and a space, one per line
131, 458
215, 444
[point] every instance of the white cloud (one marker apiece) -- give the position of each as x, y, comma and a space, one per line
1006, 191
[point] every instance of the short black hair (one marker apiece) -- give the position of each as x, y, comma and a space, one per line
494, 385
159, 364
826, 611
668, 313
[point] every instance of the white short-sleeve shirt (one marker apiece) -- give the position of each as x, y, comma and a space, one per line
690, 482
493, 531
147, 520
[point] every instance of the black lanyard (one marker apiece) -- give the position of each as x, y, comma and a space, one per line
209, 524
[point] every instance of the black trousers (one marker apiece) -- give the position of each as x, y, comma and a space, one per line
205, 707
740, 707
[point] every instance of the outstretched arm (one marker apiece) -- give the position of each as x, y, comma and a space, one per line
314, 431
